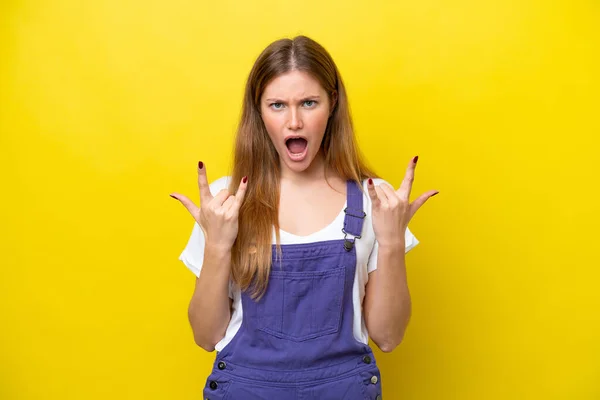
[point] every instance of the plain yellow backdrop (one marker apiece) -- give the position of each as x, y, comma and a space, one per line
106, 106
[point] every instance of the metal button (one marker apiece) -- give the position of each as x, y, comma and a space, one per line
221, 365
367, 360
348, 245
213, 385
374, 379
378, 397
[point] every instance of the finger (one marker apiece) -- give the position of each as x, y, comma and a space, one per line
205, 194
382, 196
409, 177
419, 201
227, 204
241, 193
220, 198
187, 203
373, 194
392, 197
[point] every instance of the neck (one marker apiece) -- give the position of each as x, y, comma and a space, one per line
315, 172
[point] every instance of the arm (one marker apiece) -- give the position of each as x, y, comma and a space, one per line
387, 303
209, 311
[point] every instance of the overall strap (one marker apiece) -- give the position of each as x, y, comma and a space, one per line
353, 221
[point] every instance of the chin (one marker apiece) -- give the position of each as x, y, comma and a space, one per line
297, 166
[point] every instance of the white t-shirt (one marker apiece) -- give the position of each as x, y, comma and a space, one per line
366, 254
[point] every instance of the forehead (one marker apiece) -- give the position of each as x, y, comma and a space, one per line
293, 84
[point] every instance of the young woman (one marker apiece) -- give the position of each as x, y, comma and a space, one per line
300, 254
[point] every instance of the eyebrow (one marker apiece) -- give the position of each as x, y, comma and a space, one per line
275, 99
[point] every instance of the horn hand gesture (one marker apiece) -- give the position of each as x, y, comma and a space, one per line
216, 215
392, 210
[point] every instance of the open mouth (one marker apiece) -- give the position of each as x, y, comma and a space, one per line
296, 145
297, 148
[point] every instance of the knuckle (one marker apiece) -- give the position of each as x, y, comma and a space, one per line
230, 216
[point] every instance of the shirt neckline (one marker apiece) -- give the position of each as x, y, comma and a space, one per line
320, 231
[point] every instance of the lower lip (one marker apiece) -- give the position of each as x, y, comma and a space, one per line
297, 157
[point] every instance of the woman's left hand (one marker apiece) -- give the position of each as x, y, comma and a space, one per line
391, 209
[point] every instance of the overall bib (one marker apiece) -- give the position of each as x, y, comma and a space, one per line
297, 341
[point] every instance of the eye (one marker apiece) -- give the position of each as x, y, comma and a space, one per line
310, 103
276, 106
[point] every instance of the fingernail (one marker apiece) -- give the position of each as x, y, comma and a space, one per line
370, 181
200, 164
416, 159
245, 179
173, 196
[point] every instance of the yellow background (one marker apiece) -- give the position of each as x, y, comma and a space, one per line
106, 106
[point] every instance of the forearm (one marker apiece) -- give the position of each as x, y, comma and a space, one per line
387, 301
209, 310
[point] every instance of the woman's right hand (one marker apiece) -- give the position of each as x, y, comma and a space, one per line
217, 215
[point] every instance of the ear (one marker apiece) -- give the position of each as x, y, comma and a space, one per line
334, 98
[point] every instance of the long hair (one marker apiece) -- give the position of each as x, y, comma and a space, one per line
255, 155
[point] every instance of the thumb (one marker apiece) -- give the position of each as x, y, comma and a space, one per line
187, 203
419, 201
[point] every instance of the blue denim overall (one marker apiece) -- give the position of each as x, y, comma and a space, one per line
297, 342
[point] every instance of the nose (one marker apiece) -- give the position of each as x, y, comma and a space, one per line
295, 120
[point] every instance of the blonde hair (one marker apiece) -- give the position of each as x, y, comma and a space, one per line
256, 157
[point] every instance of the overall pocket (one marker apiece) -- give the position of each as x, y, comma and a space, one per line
254, 391
302, 305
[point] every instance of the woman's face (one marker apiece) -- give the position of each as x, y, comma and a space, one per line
295, 109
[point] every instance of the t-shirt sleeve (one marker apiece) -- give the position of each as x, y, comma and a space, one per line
410, 239
193, 253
